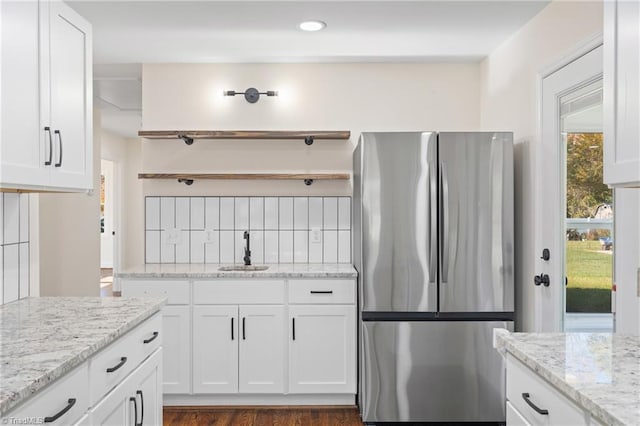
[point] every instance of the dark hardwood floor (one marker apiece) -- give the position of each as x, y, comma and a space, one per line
262, 416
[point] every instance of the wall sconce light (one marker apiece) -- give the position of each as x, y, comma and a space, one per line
252, 95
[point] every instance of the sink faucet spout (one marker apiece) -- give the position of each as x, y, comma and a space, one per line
247, 250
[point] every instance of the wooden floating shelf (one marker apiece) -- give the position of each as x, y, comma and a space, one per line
188, 136
188, 178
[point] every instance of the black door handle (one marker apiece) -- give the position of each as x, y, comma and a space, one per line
135, 409
243, 333
542, 279
117, 366
139, 392
151, 339
539, 410
231, 328
70, 403
48, 162
293, 326
59, 163
321, 291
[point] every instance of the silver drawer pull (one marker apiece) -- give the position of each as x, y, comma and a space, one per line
539, 410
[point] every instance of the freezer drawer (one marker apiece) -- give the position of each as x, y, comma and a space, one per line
432, 371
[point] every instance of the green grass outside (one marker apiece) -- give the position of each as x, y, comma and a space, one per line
589, 272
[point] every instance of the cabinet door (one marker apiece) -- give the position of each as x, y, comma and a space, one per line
176, 325
215, 349
261, 349
621, 93
322, 349
113, 410
22, 139
71, 98
148, 390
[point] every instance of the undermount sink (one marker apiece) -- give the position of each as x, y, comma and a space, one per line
245, 268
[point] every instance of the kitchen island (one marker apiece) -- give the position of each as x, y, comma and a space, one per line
47, 341
571, 378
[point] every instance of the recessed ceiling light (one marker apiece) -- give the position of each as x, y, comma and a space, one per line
311, 25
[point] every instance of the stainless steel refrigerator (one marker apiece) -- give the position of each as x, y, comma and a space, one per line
433, 245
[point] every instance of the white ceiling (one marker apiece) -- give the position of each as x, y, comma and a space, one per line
129, 33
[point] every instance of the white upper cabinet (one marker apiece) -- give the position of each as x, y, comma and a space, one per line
46, 111
622, 93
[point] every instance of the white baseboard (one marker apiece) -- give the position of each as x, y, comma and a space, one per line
264, 399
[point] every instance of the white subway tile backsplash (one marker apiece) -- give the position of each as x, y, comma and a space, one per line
212, 213
197, 213
152, 249
271, 249
330, 213
197, 244
256, 213
152, 213
271, 213
183, 247
344, 213
285, 242
301, 213
315, 248
227, 247
23, 274
301, 246
227, 213
167, 212
315, 212
14, 246
11, 272
282, 229
344, 246
330, 246
24, 219
241, 213
11, 218
286, 213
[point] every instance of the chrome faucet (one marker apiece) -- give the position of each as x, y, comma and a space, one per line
247, 251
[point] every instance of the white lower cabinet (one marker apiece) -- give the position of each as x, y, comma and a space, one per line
531, 400
136, 401
322, 349
176, 323
238, 349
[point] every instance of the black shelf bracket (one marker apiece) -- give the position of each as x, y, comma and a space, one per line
308, 140
308, 182
187, 140
187, 182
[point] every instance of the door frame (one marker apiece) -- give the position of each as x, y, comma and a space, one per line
553, 320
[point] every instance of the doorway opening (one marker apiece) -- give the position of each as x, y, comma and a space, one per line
107, 219
589, 242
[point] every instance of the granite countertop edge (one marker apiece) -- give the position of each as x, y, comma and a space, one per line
211, 271
504, 343
18, 397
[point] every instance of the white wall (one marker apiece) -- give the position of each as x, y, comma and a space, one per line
69, 236
351, 97
509, 78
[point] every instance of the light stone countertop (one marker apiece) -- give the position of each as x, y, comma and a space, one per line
210, 270
599, 371
42, 338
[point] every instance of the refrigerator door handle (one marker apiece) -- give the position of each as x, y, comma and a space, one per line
445, 223
433, 223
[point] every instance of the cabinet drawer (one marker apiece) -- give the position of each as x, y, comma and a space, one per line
111, 365
229, 292
322, 291
176, 292
148, 336
514, 418
58, 396
561, 410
